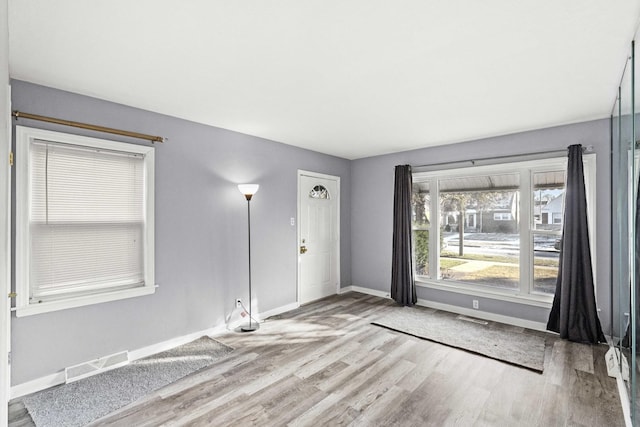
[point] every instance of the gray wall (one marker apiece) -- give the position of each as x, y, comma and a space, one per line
201, 244
372, 209
201, 223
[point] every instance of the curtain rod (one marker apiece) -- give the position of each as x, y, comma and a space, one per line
492, 160
153, 139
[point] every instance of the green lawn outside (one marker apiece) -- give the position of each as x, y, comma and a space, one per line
546, 262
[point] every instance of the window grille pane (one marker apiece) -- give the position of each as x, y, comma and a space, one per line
319, 192
421, 205
548, 208
548, 200
545, 263
480, 224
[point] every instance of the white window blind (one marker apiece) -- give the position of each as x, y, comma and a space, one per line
87, 214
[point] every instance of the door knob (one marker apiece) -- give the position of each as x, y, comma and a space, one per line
303, 249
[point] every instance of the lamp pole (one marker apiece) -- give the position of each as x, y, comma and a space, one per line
250, 327
249, 190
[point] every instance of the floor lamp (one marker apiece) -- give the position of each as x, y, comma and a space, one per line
249, 190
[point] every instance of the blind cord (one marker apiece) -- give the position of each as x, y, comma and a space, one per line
247, 311
46, 185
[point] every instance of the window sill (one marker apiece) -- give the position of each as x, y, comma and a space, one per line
80, 301
460, 288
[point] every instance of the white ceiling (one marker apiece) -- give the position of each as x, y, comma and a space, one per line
352, 78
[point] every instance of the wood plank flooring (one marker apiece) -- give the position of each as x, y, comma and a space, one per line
324, 364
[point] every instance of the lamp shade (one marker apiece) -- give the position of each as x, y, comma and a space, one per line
248, 189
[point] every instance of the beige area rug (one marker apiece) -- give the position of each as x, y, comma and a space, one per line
517, 346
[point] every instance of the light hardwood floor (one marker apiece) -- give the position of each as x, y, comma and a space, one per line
324, 364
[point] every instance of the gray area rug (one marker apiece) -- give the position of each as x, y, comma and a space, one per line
78, 403
511, 344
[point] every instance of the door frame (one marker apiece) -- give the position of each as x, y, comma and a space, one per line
335, 178
5, 258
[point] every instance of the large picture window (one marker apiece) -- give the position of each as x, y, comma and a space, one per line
493, 230
84, 220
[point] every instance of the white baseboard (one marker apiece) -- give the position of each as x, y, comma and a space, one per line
279, 310
515, 321
624, 399
529, 324
152, 349
58, 378
36, 385
374, 292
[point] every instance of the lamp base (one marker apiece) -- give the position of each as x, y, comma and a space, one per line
250, 328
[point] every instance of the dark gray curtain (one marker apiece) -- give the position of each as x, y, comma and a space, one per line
573, 314
403, 286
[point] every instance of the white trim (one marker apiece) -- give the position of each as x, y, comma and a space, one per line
5, 244
80, 301
367, 291
318, 175
278, 310
624, 400
590, 171
335, 178
37, 384
434, 230
24, 137
515, 321
527, 237
152, 349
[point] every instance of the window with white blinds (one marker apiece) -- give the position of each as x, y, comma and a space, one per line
87, 221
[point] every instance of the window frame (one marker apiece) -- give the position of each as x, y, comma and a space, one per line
502, 216
526, 168
24, 138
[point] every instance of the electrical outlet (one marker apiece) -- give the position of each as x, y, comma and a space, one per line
475, 304
238, 303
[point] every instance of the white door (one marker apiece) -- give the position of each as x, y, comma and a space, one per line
318, 236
